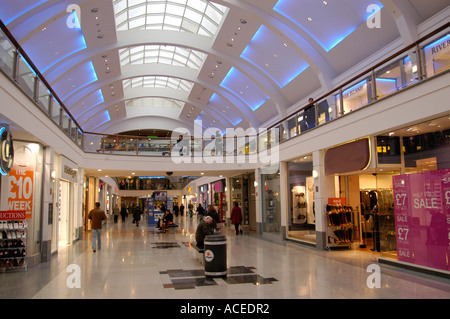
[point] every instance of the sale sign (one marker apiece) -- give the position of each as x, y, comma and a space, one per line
422, 218
402, 218
20, 194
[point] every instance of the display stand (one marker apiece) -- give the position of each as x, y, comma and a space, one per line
13, 245
340, 226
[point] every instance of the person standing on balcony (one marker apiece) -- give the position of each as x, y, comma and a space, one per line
310, 114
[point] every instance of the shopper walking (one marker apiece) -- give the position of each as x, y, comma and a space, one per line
123, 213
181, 209
116, 211
97, 216
236, 217
200, 211
137, 215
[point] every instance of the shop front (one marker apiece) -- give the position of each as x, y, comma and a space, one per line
398, 207
67, 216
20, 201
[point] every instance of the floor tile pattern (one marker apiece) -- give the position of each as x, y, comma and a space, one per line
142, 263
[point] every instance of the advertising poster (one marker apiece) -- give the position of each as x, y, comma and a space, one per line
422, 218
402, 218
20, 195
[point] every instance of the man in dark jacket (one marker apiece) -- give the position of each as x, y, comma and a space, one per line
203, 229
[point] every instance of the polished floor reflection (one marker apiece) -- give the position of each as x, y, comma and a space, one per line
140, 262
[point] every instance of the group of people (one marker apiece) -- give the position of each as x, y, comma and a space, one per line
184, 144
209, 219
135, 211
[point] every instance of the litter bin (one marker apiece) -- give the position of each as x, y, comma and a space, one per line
215, 256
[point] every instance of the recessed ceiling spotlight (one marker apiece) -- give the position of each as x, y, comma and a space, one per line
94, 10
309, 19
324, 3
243, 21
229, 44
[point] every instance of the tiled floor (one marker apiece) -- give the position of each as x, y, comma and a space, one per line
139, 262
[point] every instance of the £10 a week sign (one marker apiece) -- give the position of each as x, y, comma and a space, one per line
20, 194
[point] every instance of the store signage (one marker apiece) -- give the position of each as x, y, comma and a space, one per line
69, 170
20, 194
12, 215
6, 151
337, 201
435, 54
439, 45
348, 157
422, 217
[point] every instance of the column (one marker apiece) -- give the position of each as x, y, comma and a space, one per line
47, 204
324, 189
283, 198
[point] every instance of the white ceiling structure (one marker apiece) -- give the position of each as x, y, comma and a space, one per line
120, 65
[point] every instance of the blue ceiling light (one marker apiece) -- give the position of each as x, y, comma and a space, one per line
328, 23
279, 61
55, 42
108, 117
235, 81
239, 120
217, 101
75, 80
13, 14
199, 117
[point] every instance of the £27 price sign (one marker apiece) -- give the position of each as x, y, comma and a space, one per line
20, 194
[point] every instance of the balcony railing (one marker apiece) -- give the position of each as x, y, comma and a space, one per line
423, 59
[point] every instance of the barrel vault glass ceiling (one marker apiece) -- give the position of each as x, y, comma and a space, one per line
121, 65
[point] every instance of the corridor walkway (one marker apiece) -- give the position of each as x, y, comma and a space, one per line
140, 262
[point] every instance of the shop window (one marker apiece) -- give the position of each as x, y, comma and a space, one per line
437, 56
270, 190
427, 151
353, 98
301, 214
388, 150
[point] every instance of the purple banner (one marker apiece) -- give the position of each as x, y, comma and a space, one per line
422, 218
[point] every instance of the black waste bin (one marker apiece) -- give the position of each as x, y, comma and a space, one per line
215, 256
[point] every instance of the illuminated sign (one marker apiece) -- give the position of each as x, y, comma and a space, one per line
7, 151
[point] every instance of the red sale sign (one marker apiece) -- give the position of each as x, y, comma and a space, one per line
20, 195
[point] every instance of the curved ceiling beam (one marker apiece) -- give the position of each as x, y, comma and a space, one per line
144, 122
294, 36
131, 71
132, 38
169, 93
406, 18
156, 93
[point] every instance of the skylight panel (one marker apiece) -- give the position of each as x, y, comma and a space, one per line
158, 82
194, 16
171, 55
